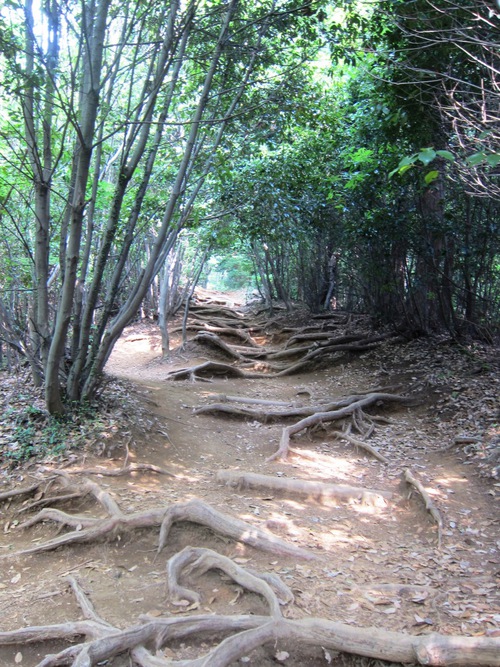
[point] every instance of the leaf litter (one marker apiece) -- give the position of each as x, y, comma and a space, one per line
458, 392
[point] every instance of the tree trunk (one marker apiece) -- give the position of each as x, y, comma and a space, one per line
94, 31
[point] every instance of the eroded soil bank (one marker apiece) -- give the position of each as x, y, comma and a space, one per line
368, 552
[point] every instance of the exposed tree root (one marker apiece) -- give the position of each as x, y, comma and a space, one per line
323, 351
214, 342
361, 444
317, 490
41, 499
23, 491
223, 398
328, 339
336, 317
320, 351
241, 334
218, 317
125, 470
210, 369
433, 649
103, 641
338, 409
199, 512
429, 505
49, 500
87, 486
88, 529
203, 560
252, 353
244, 413
333, 415
265, 416
288, 353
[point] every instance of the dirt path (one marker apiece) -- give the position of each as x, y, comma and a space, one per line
377, 563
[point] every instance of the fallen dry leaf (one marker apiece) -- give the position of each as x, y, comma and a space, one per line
281, 656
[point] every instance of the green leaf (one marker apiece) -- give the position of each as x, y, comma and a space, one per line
406, 163
447, 155
431, 176
361, 155
426, 155
476, 158
408, 160
404, 169
493, 159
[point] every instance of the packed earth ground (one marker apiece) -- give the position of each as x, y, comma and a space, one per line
398, 530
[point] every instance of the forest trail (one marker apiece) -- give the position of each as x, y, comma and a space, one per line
374, 558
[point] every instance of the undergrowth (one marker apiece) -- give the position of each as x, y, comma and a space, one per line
28, 431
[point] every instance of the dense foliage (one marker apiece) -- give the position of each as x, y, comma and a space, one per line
345, 153
380, 192
113, 117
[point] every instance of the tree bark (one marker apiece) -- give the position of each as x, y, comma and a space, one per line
94, 31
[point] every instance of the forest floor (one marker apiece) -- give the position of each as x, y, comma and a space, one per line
373, 559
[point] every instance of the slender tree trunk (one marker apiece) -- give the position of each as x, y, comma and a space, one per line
332, 280
163, 310
277, 278
135, 298
38, 141
196, 278
77, 374
94, 30
264, 279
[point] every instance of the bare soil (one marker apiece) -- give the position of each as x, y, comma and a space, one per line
376, 565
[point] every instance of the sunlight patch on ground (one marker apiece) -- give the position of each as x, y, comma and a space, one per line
141, 484
334, 536
449, 480
325, 466
145, 343
369, 510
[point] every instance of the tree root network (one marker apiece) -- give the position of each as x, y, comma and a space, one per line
143, 642
92, 640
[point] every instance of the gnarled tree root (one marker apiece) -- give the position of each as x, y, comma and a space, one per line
124, 470
361, 444
356, 400
209, 369
23, 491
354, 407
104, 641
224, 398
88, 529
429, 505
327, 338
206, 559
317, 490
324, 355
199, 512
215, 343
241, 334
433, 649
